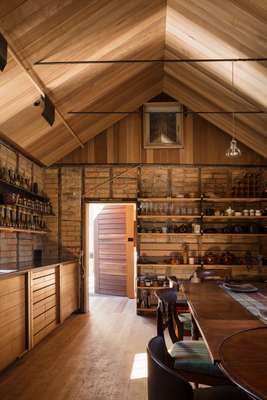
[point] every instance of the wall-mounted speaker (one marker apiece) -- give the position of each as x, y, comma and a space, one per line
49, 110
3, 52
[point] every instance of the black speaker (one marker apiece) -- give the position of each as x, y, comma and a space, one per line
49, 110
3, 52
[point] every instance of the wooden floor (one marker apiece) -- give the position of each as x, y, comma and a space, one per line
90, 357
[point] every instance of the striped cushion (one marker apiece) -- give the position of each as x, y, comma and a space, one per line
186, 319
192, 356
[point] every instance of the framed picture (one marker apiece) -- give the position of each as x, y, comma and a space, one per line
163, 125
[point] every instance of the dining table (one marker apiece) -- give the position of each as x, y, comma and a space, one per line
234, 328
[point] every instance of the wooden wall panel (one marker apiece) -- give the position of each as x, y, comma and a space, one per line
122, 143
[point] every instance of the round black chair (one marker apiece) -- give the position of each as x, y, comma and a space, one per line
164, 383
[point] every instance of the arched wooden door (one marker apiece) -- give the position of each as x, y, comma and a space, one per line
114, 250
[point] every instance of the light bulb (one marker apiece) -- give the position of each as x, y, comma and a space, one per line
233, 151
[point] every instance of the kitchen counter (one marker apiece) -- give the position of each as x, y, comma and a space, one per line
34, 300
22, 267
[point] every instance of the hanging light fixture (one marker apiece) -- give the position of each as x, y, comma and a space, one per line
233, 151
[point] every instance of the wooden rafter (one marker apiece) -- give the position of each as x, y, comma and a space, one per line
36, 81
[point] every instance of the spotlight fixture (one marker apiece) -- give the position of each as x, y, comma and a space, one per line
48, 108
3, 52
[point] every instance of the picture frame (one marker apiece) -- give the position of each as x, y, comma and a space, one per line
163, 125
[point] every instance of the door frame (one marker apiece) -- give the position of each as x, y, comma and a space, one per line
131, 269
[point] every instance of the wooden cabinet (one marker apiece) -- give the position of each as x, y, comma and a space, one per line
69, 290
33, 304
12, 319
45, 307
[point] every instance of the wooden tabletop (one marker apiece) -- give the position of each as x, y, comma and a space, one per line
217, 314
244, 358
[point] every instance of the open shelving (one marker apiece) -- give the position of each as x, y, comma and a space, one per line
159, 241
12, 186
32, 213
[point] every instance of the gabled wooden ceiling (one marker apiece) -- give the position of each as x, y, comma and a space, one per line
200, 29
116, 29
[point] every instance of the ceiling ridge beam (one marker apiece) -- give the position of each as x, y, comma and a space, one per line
39, 85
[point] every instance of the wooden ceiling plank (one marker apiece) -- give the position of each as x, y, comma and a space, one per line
40, 87
193, 100
228, 100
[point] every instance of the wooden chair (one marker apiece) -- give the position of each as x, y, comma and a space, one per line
164, 383
182, 308
167, 310
191, 356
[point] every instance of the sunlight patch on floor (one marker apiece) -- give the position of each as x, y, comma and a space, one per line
139, 368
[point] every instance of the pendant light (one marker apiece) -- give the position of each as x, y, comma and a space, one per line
233, 151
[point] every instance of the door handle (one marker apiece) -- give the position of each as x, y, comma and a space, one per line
130, 239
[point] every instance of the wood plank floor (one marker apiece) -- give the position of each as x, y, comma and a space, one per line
90, 357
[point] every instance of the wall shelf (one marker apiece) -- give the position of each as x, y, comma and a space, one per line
227, 265
235, 217
234, 199
152, 287
32, 212
22, 189
235, 234
14, 230
166, 217
168, 199
168, 265
146, 234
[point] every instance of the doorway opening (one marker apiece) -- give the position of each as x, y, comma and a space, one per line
110, 249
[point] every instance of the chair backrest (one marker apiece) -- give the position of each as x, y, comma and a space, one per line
220, 273
173, 282
167, 317
164, 383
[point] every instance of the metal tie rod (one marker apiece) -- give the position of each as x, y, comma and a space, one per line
173, 112
161, 60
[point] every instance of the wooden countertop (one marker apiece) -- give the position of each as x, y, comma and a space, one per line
217, 314
11, 269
